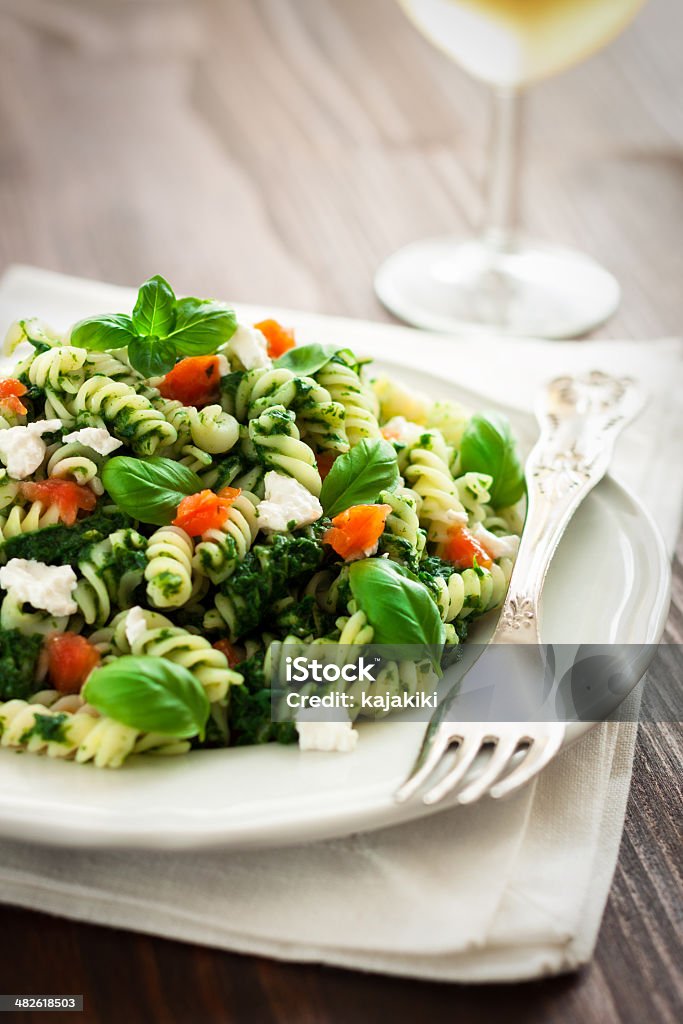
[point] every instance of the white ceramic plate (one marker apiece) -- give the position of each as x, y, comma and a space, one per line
608, 583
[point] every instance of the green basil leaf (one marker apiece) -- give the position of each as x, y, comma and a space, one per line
487, 446
150, 694
154, 311
149, 490
358, 476
202, 326
152, 357
307, 359
399, 608
102, 333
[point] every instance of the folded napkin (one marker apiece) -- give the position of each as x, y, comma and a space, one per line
494, 891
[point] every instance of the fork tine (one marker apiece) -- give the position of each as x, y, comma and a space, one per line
424, 768
468, 749
505, 748
540, 752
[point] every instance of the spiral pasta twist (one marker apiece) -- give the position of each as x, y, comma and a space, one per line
26, 519
330, 590
111, 364
360, 403
75, 461
111, 571
321, 420
169, 567
131, 416
472, 591
403, 538
161, 639
428, 474
59, 369
194, 459
221, 548
14, 616
278, 445
210, 430
474, 495
213, 430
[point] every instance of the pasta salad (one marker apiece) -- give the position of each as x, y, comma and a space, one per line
181, 495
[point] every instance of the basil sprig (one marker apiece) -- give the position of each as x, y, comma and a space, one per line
399, 608
150, 694
149, 490
307, 359
161, 328
358, 476
487, 446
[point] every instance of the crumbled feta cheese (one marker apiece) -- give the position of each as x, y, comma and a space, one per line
22, 449
136, 625
287, 504
250, 346
339, 736
455, 517
496, 547
44, 586
223, 366
399, 429
97, 438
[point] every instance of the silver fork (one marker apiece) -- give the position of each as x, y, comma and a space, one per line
580, 418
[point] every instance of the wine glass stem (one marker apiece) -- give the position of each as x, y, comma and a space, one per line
501, 209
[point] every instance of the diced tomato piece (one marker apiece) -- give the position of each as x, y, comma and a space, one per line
325, 462
10, 392
204, 511
462, 547
193, 381
355, 532
70, 498
229, 493
232, 653
70, 660
280, 339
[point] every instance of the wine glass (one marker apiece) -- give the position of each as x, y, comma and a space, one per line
503, 281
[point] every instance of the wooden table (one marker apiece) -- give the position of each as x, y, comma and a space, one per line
276, 151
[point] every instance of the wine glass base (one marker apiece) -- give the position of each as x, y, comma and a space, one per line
531, 289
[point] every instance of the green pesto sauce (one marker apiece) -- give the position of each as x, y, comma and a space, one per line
18, 660
169, 583
65, 545
50, 728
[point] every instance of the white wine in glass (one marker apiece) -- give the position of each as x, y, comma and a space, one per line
502, 281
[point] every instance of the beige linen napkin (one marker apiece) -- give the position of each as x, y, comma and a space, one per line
494, 891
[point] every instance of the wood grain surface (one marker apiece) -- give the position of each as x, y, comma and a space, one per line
277, 151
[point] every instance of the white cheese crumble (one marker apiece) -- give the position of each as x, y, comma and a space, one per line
454, 517
97, 438
43, 586
223, 366
287, 502
251, 347
338, 736
22, 449
496, 547
136, 625
398, 428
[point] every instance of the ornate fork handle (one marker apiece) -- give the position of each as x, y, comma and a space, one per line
580, 419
